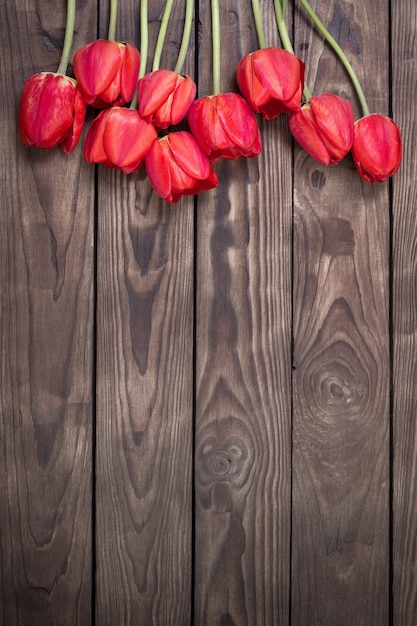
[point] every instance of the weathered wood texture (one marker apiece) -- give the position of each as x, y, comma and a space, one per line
144, 387
340, 550
46, 345
243, 366
208, 409
404, 319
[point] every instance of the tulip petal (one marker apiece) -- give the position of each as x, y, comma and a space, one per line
170, 165
188, 155
303, 128
157, 167
250, 86
201, 120
183, 96
129, 73
334, 118
93, 144
239, 124
197, 174
154, 89
79, 112
127, 138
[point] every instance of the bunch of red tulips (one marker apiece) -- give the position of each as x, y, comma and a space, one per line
222, 125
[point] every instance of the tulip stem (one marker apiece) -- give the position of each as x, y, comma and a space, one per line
280, 10
257, 16
69, 35
111, 36
188, 22
282, 27
215, 38
342, 56
144, 37
162, 34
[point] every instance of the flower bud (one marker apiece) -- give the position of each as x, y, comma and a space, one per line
225, 127
107, 72
177, 167
324, 127
164, 97
52, 112
119, 139
271, 81
377, 147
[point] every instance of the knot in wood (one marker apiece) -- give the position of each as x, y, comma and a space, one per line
222, 462
338, 384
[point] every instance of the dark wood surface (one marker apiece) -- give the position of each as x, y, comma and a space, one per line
208, 410
144, 391
340, 521
243, 368
404, 320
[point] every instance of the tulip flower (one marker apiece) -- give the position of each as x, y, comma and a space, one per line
377, 147
177, 167
119, 139
377, 144
324, 127
51, 112
225, 127
164, 97
271, 81
107, 72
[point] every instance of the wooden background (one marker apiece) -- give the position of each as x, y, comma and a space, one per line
208, 410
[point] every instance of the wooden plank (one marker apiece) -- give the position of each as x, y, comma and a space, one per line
404, 232
144, 388
46, 266
340, 548
243, 367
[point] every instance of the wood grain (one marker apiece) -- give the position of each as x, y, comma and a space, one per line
404, 232
46, 345
263, 311
243, 367
340, 528
144, 390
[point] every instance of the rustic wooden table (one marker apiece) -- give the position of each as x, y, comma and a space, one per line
208, 410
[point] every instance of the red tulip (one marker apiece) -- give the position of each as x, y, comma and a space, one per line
107, 72
177, 167
119, 138
377, 147
164, 97
52, 112
272, 81
324, 127
225, 127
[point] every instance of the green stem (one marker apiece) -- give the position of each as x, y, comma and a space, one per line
282, 26
257, 16
69, 35
215, 38
144, 37
280, 10
342, 56
188, 22
112, 21
162, 34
